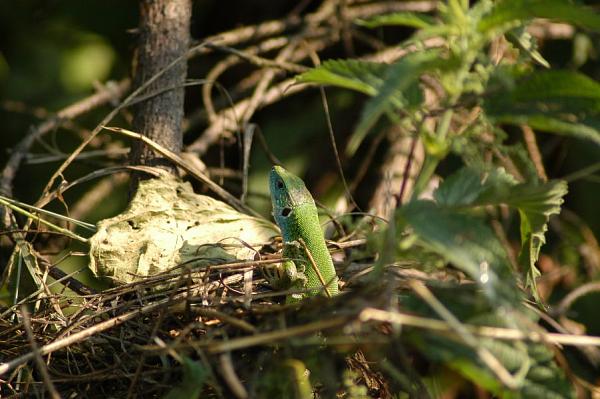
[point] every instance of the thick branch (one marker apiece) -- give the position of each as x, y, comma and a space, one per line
164, 36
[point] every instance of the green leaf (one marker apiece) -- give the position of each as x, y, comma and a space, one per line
460, 189
363, 76
543, 379
527, 43
466, 242
533, 364
401, 78
393, 86
534, 202
535, 205
562, 102
398, 18
546, 379
194, 377
506, 13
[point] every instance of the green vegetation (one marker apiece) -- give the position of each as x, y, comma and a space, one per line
459, 200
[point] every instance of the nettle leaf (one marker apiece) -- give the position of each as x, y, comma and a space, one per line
546, 379
539, 378
527, 43
532, 364
562, 102
397, 91
534, 202
456, 356
398, 18
363, 76
392, 86
454, 353
535, 205
509, 12
465, 241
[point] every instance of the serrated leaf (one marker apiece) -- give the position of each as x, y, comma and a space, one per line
466, 242
458, 356
514, 357
524, 41
194, 377
400, 79
562, 102
545, 379
363, 76
533, 364
398, 18
508, 12
535, 208
393, 86
535, 204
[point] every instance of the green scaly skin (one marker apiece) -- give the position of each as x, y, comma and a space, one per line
296, 215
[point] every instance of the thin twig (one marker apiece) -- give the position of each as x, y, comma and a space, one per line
506, 334
336, 153
231, 377
88, 332
41, 365
111, 93
484, 354
32, 216
114, 112
261, 61
315, 268
574, 295
269, 338
191, 169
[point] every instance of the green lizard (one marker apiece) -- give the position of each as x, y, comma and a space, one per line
309, 267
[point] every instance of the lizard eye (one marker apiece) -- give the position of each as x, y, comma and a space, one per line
279, 184
285, 212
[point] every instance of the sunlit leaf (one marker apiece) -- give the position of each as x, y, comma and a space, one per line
398, 18
508, 12
401, 78
525, 41
534, 202
363, 76
463, 240
392, 86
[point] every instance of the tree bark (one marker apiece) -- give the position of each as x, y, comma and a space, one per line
164, 35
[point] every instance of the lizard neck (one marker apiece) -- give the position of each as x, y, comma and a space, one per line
293, 227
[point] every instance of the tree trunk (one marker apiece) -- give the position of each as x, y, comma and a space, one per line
164, 35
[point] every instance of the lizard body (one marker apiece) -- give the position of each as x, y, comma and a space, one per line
309, 267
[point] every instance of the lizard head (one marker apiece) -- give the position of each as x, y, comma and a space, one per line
287, 191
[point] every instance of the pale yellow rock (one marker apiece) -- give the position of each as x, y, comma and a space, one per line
167, 224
